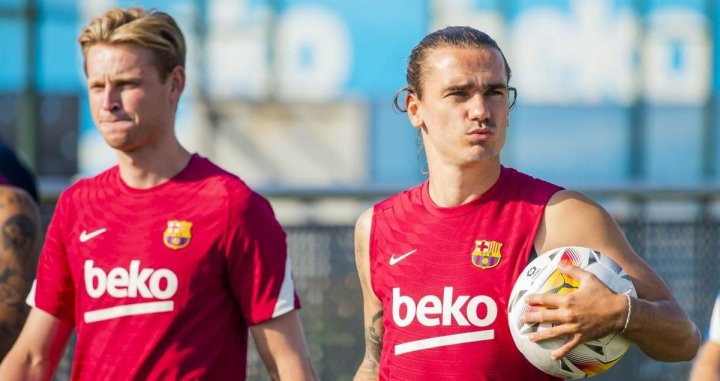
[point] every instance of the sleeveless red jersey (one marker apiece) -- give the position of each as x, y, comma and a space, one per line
444, 277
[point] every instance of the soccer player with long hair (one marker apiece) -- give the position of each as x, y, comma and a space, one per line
437, 262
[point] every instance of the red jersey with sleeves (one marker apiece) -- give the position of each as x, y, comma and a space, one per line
161, 284
444, 276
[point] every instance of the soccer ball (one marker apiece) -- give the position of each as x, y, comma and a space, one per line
543, 276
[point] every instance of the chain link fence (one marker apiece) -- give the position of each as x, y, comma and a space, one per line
684, 253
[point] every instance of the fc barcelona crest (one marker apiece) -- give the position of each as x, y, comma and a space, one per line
486, 254
177, 235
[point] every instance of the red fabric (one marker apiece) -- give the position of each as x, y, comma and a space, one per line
202, 296
441, 273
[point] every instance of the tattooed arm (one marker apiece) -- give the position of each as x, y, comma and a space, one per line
373, 311
41, 341
19, 236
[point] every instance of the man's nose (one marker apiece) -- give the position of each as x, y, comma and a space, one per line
479, 109
111, 98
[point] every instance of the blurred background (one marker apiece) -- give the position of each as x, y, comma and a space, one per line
615, 98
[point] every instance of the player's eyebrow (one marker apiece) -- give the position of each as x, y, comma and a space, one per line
459, 87
469, 86
496, 86
115, 79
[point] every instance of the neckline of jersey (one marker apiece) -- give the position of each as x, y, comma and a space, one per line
462, 209
160, 187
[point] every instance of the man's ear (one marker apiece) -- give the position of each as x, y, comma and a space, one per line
413, 105
177, 82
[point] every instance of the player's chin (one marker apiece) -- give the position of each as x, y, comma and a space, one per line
120, 143
482, 153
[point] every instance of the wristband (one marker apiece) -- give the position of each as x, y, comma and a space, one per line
629, 311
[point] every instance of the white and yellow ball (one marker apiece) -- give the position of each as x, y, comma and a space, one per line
542, 275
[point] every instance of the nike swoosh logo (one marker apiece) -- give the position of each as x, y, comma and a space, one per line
85, 236
394, 260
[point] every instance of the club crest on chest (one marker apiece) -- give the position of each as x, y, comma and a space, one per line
177, 234
486, 254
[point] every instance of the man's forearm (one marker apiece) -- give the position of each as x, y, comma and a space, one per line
373, 349
22, 366
368, 371
39, 348
296, 368
663, 331
281, 345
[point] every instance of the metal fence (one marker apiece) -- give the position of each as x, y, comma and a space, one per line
683, 251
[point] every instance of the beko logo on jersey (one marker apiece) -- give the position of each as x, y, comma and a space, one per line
121, 283
432, 311
134, 282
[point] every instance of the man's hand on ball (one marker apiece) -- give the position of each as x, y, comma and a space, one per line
591, 312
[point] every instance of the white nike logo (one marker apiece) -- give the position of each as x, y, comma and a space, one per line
394, 260
85, 236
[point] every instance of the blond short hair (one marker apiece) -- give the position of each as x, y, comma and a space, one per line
152, 29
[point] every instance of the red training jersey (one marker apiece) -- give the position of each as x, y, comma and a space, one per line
162, 283
444, 277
